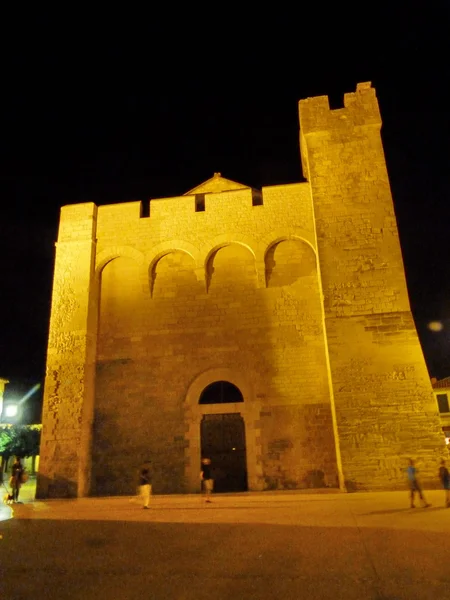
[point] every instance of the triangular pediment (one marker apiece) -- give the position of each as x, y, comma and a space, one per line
215, 185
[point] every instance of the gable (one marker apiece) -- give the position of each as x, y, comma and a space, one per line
215, 185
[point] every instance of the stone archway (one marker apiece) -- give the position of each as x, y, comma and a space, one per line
249, 411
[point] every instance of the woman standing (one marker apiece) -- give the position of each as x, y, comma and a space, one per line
16, 478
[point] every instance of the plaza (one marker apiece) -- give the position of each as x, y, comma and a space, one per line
252, 545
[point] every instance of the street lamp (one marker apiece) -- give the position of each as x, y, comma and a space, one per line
11, 410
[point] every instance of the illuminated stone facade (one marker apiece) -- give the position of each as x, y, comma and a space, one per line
295, 294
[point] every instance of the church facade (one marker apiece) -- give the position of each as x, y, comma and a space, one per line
269, 330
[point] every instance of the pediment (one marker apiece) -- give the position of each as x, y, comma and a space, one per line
215, 185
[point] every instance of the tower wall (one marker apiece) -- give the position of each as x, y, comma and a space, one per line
65, 454
383, 397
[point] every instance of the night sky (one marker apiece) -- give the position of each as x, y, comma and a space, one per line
126, 108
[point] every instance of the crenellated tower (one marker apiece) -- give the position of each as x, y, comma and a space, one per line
385, 408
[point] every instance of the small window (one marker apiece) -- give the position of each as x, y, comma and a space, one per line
199, 202
443, 403
220, 392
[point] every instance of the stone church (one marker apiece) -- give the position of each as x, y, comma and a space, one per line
269, 330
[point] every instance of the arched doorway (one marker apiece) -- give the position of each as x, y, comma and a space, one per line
223, 438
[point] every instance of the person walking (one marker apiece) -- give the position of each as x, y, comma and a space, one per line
414, 485
16, 478
445, 480
206, 478
145, 485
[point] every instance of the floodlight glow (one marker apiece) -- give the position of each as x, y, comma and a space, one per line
11, 410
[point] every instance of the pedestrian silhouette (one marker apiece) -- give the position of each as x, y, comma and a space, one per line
206, 478
414, 485
145, 485
445, 480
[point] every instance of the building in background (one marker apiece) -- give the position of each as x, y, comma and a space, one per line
442, 392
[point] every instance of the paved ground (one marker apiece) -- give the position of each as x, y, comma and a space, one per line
286, 545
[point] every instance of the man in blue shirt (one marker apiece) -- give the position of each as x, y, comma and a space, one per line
414, 485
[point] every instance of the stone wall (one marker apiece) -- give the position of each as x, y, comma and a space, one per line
296, 295
65, 453
184, 293
382, 392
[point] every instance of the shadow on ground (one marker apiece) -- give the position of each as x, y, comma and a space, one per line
391, 511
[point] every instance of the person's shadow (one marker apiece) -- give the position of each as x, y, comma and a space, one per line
390, 511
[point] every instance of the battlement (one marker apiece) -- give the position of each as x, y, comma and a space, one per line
200, 203
360, 110
244, 199
202, 208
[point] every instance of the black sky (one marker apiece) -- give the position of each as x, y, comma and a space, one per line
129, 107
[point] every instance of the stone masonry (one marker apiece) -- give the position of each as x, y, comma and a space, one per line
295, 294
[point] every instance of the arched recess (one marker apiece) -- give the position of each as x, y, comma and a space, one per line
231, 264
157, 252
173, 274
287, 260
249, 409
226, 239
108, 254
287, 234
122, 300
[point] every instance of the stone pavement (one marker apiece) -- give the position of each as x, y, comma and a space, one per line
288, 545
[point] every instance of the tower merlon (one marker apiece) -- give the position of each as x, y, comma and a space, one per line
77, 222
360, 109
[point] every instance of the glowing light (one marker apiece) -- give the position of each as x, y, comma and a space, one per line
435, 326
11, 410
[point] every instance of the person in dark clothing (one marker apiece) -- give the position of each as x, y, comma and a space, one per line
145, 485
414, 485
207, 480
445, 480
16, 478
